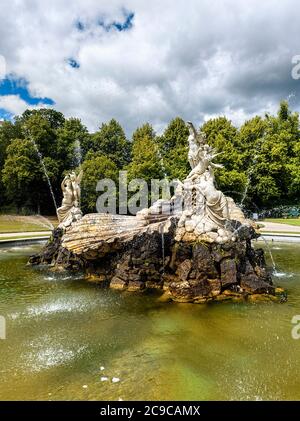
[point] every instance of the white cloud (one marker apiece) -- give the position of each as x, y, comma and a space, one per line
15, 105
194, 59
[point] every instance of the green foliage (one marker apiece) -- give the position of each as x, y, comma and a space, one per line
146, 161
71, 134
8, 132
95, 168
274, 169
223, 136
21, 173
262, 157
174, 149
284, 112
111, 141
40, 130
54, 118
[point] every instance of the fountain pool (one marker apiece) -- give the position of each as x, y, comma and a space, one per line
66, 336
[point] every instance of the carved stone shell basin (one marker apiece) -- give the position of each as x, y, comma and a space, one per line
97, 234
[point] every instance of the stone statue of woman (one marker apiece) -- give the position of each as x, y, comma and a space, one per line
196, 141
70, 207
75, 181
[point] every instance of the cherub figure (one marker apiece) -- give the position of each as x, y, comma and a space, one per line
205, 156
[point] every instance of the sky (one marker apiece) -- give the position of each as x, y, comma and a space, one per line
148, 61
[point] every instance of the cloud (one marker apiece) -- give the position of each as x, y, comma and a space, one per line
15, 105
151, 61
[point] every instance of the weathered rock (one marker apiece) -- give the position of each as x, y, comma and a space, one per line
253, 284
184, 269
154, 284
98, 279
228, 272
223, 297
262, 297
215, 286
117, 283
203, 262
135, 286
191, 271
165, 297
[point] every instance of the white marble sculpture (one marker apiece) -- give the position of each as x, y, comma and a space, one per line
206, 209
69, 211
195, 140
202, 210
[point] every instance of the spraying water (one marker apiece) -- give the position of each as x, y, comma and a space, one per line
162, 245
161, 162
270, 253
77, 153
45, 222
249, 175
45, 170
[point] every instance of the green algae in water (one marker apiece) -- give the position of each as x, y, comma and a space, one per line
61, 331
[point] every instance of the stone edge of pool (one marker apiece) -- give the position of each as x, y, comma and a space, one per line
27, 240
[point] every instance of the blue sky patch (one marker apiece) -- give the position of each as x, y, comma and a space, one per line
119, 26
19, 87
73, 63
5, 115
80, 26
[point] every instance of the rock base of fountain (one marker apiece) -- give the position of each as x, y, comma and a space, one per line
147, 257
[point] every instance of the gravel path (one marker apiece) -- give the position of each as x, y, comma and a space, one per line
276, 227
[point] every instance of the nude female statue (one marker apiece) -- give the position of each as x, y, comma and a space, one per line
71, 195
195, 140
75, 181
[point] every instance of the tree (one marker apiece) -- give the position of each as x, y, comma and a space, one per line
54, 118
251, 135
39, 130
22, 174
174, 149
72, 138
8, 132
145, 130
146, 160
284, 112
269, 156
223, 136
95, 168
261, 159
111, 141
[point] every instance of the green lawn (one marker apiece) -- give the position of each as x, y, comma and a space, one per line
13, 223
20, 237
281, 232
291, 221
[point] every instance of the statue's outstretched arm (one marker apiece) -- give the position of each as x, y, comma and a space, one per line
192, 127
216, 165
79, 177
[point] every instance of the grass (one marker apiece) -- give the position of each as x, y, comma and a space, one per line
281, 232
291, 221
20, 237
15, 223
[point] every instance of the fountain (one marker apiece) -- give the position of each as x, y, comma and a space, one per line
77, 153
45, 171
195, 247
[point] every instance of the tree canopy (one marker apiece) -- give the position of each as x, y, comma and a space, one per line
261, 159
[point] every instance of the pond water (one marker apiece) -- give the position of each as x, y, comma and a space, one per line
67, 339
